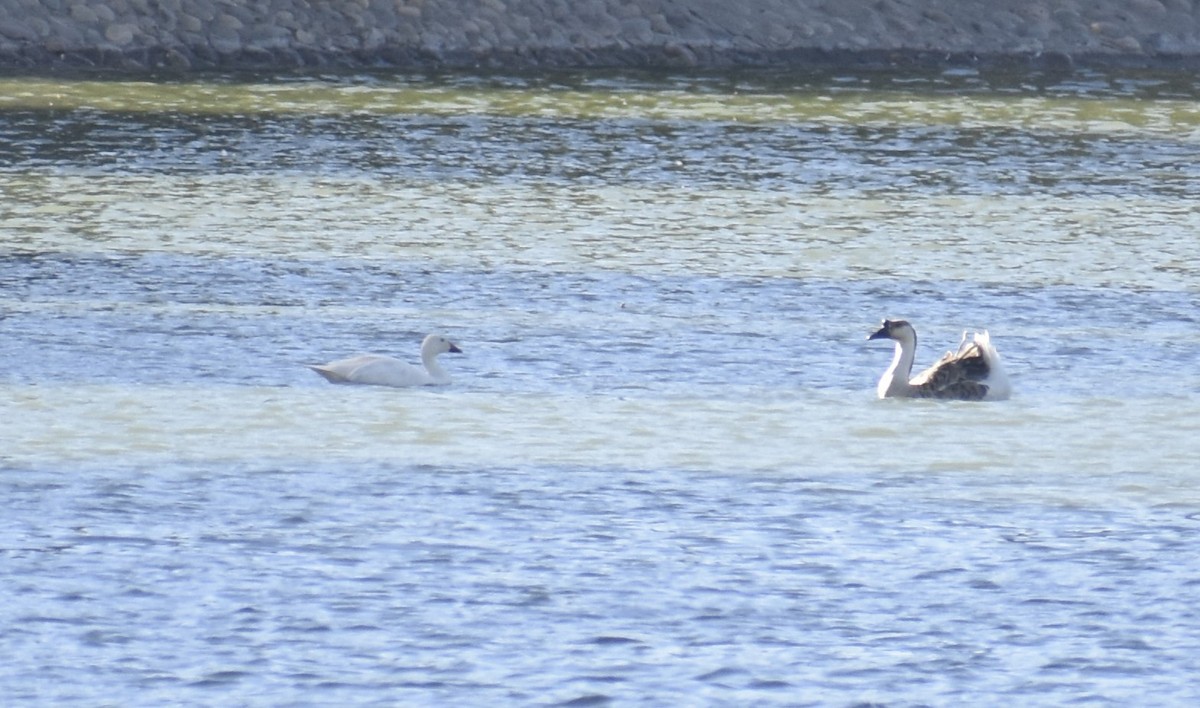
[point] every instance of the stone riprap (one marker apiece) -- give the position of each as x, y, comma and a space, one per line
181, 35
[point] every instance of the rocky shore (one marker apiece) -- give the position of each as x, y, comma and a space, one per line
202, 35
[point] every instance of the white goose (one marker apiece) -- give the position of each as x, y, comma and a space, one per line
380, 370
973, 373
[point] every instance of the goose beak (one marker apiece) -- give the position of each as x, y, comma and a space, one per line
454, 349
881, 334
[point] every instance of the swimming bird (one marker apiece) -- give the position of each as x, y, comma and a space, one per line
973, 373
381, 370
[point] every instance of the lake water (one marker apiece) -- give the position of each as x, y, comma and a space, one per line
660, 475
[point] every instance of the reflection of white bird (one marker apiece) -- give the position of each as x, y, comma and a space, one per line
380, 370
973, 373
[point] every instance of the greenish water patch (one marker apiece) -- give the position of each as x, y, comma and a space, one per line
1100, 104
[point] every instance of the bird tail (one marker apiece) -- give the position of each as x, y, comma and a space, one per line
328, 374
997, 380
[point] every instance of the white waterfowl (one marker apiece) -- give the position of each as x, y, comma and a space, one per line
973, 373
381, 370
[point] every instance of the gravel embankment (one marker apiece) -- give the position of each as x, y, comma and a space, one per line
183, 35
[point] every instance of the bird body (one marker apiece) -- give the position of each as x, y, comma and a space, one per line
972, 373
382, 370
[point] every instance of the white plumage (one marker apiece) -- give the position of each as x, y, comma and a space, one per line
381, 370
973, 373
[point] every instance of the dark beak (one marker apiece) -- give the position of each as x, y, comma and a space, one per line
881, 334
454, 349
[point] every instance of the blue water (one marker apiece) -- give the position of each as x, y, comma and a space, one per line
660, 474
422, 585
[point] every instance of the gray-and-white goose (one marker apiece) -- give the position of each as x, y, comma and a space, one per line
973, 373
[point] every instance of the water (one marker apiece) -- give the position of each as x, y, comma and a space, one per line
660, 475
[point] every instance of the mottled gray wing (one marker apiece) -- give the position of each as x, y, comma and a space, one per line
960, 391
956, 375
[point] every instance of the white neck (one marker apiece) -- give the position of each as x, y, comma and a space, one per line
429, 359
894, 381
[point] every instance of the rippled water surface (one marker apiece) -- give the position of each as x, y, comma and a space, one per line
660, 474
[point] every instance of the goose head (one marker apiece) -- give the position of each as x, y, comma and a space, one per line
436, 344
898, 330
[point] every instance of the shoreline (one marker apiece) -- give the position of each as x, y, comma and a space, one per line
102, 61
